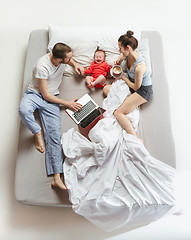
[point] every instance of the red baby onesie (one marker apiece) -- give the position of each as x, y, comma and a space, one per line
97, 69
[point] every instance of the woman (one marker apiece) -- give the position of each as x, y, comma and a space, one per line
138, 80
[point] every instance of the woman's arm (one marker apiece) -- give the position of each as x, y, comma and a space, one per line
43, 87
139, 71
120, 59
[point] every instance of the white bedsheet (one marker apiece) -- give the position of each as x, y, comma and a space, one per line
112, 180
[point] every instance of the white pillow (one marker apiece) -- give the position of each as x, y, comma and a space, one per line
106, 36
83, 53
108, 40
71, 35
144, 50
84, 40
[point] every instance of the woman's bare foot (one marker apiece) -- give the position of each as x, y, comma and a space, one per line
39, 142
57, 182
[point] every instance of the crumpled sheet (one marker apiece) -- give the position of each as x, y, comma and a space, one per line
112, 180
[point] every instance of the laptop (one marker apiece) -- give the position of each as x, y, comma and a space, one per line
89, 112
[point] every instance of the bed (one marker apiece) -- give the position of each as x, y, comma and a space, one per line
32, 186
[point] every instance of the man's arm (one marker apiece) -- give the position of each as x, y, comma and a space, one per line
78, 68
43, 87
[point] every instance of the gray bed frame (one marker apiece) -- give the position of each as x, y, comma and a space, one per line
32, 186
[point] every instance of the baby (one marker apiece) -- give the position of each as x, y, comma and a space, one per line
98, 70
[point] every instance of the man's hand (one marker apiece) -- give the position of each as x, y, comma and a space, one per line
73, 105
79, 69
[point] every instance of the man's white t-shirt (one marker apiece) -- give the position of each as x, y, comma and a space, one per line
44, 69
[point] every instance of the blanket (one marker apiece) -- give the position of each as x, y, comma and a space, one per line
112, 179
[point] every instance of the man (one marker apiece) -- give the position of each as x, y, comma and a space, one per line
42, 95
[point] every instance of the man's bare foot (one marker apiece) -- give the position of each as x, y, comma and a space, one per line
39, 142
57, 182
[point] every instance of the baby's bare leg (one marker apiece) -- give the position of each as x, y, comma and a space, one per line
89, 81
101, 80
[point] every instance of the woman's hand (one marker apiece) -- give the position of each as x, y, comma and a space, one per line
73, 105
119, 60
123, 77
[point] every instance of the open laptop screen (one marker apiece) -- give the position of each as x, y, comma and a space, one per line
88, 106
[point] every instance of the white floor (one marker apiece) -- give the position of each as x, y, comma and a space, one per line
17, 19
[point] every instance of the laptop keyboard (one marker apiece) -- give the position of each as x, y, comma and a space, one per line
86, 109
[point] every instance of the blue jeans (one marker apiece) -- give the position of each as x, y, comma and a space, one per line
50, 119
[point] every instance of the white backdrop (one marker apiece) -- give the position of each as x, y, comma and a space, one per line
17, 19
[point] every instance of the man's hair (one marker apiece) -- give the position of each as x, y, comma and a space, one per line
60, 50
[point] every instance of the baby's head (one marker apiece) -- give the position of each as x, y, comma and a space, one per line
99, 56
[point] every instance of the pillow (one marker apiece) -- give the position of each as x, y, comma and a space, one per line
144, 50
71, 35
84, 40
76, 34
108, 40
83, 53
106, 36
